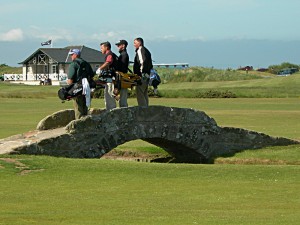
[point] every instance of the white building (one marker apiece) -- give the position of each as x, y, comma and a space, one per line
54, 63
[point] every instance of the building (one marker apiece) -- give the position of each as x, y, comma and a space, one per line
171, 65
54, 63
246, 68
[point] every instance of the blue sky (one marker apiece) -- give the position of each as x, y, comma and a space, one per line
219, 33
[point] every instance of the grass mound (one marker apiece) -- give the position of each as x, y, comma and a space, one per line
10, 70
195, 82
201, 74
265, 87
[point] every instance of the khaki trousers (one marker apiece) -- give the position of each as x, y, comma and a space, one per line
109, 99
80, 107
142, 93
123, 97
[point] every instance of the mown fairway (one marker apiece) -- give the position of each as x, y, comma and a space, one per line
48, 190
77, 191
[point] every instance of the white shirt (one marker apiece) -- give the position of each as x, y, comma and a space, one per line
139, 53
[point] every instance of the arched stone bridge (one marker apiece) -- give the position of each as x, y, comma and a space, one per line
188, 135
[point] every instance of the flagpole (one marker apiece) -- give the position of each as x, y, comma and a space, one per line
68, 55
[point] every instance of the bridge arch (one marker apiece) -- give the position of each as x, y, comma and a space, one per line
180, 132
190, 136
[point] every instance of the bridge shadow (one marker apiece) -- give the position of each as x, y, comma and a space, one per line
179, 153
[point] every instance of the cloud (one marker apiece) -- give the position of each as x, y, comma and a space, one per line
61, 34
108, 36
43, 34
169, 37
12, 35
173, 38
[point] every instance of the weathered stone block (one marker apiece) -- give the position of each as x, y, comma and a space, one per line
56, 120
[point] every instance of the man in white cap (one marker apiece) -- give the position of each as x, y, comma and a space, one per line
80, 107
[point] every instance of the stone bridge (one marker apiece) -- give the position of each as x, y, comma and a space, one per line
188, 135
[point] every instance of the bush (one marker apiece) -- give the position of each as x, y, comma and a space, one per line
196, 94
218, 94
275, 69
98, 93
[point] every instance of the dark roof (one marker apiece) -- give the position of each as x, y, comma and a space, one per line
60, 55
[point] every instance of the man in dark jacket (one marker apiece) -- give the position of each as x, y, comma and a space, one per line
142, 66
123, 62
80, 107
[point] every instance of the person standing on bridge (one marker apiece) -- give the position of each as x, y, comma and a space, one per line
142, 67
109, 67
123, 62
80, 106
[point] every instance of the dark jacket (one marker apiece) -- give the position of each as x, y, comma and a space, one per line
147, 64
73, 70
123, 62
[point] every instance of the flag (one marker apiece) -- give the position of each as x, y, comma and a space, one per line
46, 43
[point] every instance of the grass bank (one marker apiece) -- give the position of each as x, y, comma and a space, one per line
269, 87
202, 74
73, 191
193, 83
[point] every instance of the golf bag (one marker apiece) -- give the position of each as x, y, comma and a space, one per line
70, 91
126, 80
120, 80
106, 76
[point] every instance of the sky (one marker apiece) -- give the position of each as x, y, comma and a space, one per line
209, 33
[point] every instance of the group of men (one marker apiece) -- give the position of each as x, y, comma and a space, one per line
142, 67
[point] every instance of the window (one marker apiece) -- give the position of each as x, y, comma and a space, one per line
54, 68
46, 69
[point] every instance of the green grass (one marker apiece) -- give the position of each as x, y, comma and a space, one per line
235, 84
271, 87
202, 74
289, 155
73, 191
8, 90
19, 115
47, 190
